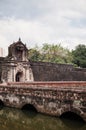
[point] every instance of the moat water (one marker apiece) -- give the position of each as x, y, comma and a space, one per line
14, 119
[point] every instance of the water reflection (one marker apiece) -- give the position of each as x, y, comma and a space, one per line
14, 119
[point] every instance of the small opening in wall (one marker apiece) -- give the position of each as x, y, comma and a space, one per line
71, 116
1, 104
29, 107
29, 110
19, 77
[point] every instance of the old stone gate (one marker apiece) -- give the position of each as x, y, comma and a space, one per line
16, 67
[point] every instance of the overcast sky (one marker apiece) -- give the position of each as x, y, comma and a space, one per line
43, 21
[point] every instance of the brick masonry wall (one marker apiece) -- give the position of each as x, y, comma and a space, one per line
57, 72
49, 98
42, 71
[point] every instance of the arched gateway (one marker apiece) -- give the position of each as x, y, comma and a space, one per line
19, 76
17, 67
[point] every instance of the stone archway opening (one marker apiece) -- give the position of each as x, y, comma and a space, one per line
71, 116
29, 107
19, 76
1, 104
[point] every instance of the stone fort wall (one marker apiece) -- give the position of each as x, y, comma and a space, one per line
44, 71
17, 68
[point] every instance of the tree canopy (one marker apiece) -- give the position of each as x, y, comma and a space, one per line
50, 53
79, 56
57, 54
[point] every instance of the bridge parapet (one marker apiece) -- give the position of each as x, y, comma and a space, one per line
53, 98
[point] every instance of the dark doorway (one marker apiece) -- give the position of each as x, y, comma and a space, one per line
29, 107
19, 77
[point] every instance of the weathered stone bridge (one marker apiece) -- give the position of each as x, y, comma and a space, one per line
53, 98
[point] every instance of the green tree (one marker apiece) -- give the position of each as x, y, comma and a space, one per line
34, 54
79, 56
56, 54
50, 53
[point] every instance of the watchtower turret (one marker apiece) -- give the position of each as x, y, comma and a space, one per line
18, 51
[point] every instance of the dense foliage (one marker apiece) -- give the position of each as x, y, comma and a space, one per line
50, 53
58, 54
79, 56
